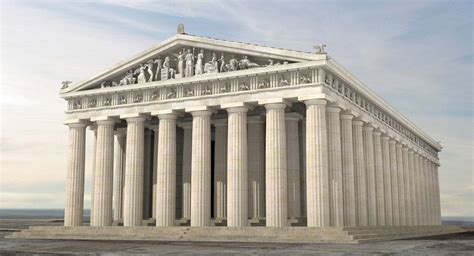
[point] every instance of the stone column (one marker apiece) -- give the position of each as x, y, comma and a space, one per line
166, 171
156, 132
387, 179
437, 196
424, 186
419, 210
93, 128
119, 172
220, 169
147, 175
379, 179
412, 199
401, 184
348, 170
201, 169
237, 169
293, 164
74, 203
103, 174
335, 166
256, 158
370, 169
302, 140
276, 166
187, 148
394, 178
317, 172
406, 181
360, 174
430, 193
133, 190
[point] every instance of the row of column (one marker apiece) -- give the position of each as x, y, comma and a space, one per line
353, 175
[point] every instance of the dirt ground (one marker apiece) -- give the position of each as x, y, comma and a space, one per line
454, 244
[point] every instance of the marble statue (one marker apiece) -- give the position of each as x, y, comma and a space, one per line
198, 69
180, 59
233, 64
150, 70
166, 63
65, 84
189, 68
212, 65
141, 76
159, 66
270, 62
320, 49
222, 66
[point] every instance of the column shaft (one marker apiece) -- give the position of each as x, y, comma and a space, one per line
166, 171
335, 166
348, 170
411, 174
187, 149
360, 173
119, 173
74, 203
419, 208
302, 139
103, 175
201, 169
293, 163
237, 193
437, 196
317, 172
147, 175
220, 170
406, 185
424, 186
276, 166
379, 179
370, 170
156, 131
133, 190
256, 158
387, 178
401, 185
394, 178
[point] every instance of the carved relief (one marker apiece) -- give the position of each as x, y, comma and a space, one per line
92, 103
206, 90
137, 98
265, 83
122, 100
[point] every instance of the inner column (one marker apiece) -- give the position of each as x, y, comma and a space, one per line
220, 169
293, 162
256, 166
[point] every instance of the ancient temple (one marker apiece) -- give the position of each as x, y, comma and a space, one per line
203, 132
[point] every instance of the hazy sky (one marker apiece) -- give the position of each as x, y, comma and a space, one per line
418, 55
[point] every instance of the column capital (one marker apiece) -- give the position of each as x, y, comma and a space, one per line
170, 116
404, 148
275, 106
274, 101
77, 123
392, 141
357, 122
384, 136
231, 110
228, 106
398, 144
318, 102
333, 109
377, 133
134, 115
293, 116
201, 113
368, 127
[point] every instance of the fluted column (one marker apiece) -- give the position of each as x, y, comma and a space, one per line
133, 191
360, 174
276, 166
379, 178
419, 209
220, 169
335, 166
93, 128
237, 169
412, 199
147, 175
406, 182
348, 176
293, 164
187, 149
401, 185
302, 134
119, 172
370, 170
156, 131
103, 174
430, 193
317, 172
74, 202
437, 196
387, 181
201, 169
256, 166
424, 186
394, 176
166, 171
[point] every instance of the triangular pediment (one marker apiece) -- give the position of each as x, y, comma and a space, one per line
144, 67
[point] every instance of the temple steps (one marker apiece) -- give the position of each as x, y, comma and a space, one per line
229, 234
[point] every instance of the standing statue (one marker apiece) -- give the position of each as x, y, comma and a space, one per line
243, 63
211, 66
198, 70
222, 63
233, 63
166, 63
149, 66
188, 69
65, 84
158, 68
180, 59
141, 76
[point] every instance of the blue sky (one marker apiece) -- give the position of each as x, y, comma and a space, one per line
418, 55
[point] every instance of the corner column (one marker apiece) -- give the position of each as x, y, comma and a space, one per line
348, 170
166, 171
103, 174
276, 166
201, 169
317, 172
237, 169
74, 203
134, 170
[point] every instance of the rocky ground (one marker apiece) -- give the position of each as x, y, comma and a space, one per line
454, 244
